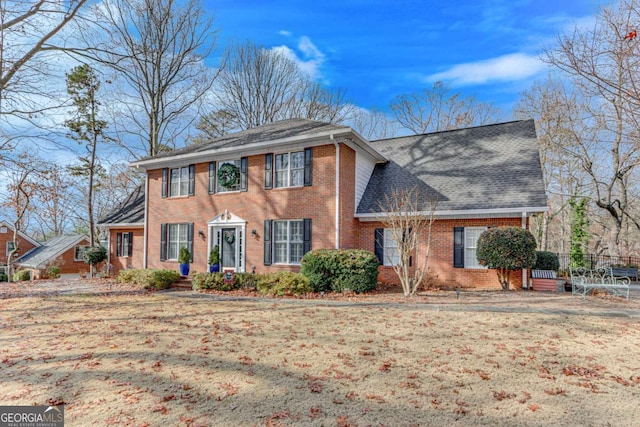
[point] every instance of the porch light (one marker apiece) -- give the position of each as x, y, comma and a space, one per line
201, 233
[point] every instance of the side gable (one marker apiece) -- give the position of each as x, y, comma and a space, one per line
50, 250
490, 170
129, 213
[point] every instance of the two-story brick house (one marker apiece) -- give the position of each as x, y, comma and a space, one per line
267, 195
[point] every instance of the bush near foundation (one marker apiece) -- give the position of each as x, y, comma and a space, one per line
215, 281
546, 260
21, 276
283, 283
149, 279
340, 269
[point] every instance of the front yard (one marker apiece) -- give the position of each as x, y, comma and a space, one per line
140, 359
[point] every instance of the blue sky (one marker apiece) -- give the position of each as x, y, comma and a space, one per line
377, 49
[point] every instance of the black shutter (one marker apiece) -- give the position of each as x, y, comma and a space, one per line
379, 245
458, 247
130, 243
212, 177
192, 179
190, 239
244, 169
165, 182
118, 244
267, 242
268, 172
306, 226
163, 242
308, 166
404, 236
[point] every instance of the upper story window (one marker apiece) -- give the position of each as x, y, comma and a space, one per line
228, 175
289, 169
178, 181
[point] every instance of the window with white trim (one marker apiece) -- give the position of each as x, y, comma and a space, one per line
471, 236
289, 169
179, 181
10, 247
391, 253
177, 237
288, 242
78, 253
236, 186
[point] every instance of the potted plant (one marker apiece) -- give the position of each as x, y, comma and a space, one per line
545, 273
214, 259
184, 259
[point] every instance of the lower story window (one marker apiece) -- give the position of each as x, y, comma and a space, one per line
10, 247
287, 242
124, 244
465, 244
79, 252
177, 238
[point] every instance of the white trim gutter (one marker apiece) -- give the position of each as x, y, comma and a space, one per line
469, 212
146, 222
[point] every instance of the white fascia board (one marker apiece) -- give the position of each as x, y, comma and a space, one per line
283, 144
469, 213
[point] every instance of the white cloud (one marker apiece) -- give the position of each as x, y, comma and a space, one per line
512, 67
308, 57
284, 33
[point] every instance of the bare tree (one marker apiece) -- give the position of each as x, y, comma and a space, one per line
603, 62
55, 203
260, 86
437, 109
156, 48
408, 217
373, 124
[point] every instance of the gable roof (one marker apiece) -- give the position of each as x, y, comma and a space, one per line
260, 139
481, 170
50, 250
129, 213
4, 223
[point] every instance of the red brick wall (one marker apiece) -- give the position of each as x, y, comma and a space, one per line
440, 265
24, 245
133, 261
255, 206
67, 263
349, 229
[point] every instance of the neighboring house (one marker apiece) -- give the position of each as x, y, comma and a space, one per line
64, 251
25, 243
268, 195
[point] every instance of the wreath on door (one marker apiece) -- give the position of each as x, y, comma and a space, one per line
228, 175
229, 237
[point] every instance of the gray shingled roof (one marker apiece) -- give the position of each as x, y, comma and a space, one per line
131, 211
486, 167
50, 250
266, 133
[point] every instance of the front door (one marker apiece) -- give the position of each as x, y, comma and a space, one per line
229, 249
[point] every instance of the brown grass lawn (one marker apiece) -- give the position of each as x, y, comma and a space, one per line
158, 359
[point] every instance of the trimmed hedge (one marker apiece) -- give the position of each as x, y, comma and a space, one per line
149, 279
340, 269
283, 283
546, 260
22, 275
215, 281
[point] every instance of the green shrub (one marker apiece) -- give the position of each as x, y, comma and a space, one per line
149, 279
95, 255
3, 277
215, 281
546, 260
185, 256
53, 272
506, 249
283, 283
340, 269
21, 275
245, 281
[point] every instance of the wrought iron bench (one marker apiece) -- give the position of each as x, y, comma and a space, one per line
584, 281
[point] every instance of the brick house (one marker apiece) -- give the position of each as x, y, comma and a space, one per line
267, 195
64, 251
25, 243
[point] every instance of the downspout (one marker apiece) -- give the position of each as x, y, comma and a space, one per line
337, 145
146, 221
525, 274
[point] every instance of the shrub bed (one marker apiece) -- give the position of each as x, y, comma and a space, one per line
215, 281
282, 283
546, 260
338, 270
149, 279
21, 275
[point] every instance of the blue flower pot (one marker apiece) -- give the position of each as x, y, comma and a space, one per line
214, 268
184, 269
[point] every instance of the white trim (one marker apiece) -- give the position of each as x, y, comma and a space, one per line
307, 140
145, 227
337, 145
467, 213
123, 225
229, 220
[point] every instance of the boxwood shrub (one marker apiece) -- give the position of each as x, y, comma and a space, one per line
546, 260
340, 269
149, 279
282, 283
215, 281
21, 275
